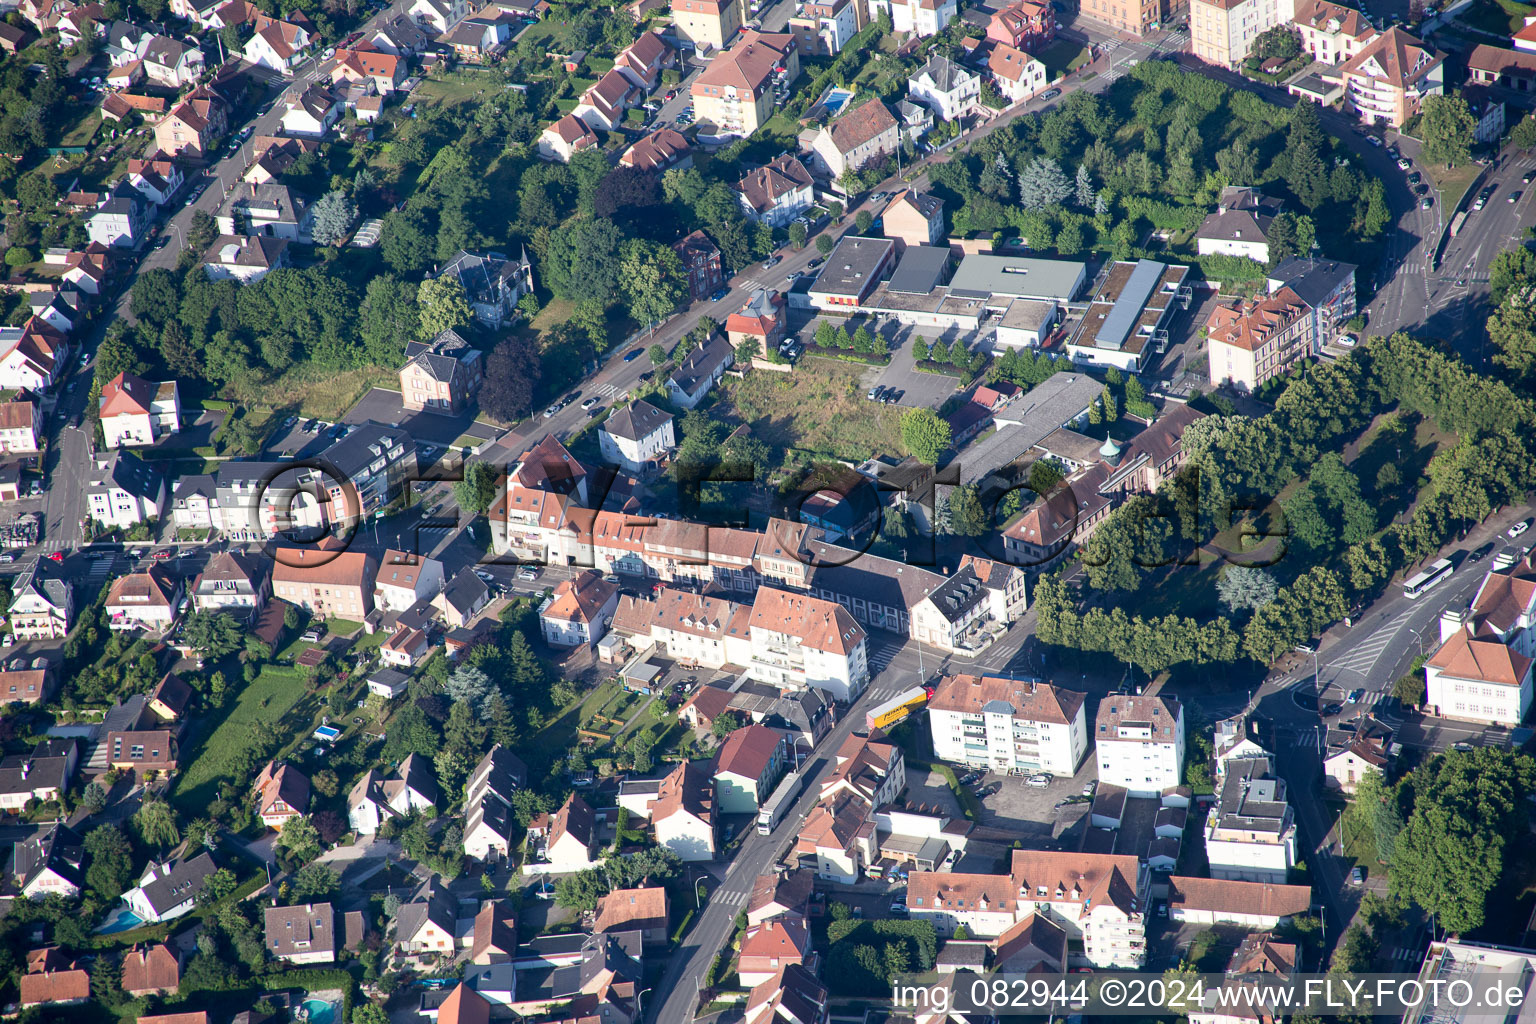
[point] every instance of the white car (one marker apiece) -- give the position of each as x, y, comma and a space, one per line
1348, 341
1038, 781
1518, 528
528, 574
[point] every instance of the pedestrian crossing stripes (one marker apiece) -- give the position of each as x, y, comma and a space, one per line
100, 569
607, 390
1363, 657
729, 899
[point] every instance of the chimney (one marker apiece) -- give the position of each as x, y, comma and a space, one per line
1451, 622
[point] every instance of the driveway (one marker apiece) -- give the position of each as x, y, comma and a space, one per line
923, 390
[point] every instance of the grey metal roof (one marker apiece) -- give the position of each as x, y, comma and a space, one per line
1122, 318
921, 269
184, 881
1022, 277
1313, 280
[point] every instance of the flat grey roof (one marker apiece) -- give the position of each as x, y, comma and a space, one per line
1121, 321
852, 264
1028, 314
1045, 409
921, 270
1019, 276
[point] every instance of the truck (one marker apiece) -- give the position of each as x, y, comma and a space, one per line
898, 707
783, 798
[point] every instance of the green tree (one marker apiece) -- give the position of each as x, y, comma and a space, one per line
797, 235
967, 517
315, 881
155, 822
1523, 135
444, 305
300, 838
1409, 688
1246, 588
111, 861
725, 723
1446, 129
652, 280
924, 434
824, 243
334, 213
476, 490
657, 354
213, 634
369, 1013
863, 221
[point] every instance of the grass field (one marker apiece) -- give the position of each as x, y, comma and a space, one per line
270, 698
820, 408
1452, 182
1500, 17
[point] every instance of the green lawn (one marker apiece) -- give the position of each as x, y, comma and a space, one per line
1452, 182
1061, 56
270, 697
1500, 17
819, 407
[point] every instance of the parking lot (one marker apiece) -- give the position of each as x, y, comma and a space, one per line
1039, 814
922, 390
384, 406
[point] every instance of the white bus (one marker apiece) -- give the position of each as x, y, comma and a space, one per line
1433, 573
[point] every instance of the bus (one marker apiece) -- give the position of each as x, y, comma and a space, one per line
898, 707
772, 812
1433, 573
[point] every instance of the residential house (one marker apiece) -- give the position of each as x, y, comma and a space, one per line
769, 947
571, 838
1137, 18
146, 752
153, 970
582, 607
763, 318
736, 93
1254, 341
406, 648
404, 578
426, 924
565, 138
1252, 905
488, 821
244, 258
463, 598
747, 767
265, 209
1222, 32
643, 910
1024, 25
1250, 834
439, 15
1008, 725
311, 112
171, 62
193, 127
376, 796
791, 995
326, 583
855, 140
643, 60
777, 193
916, 120
440, 375
1035, 944
30, 355
388, 683
1240, 225
778, 895
823, 27
707, 24
49, 863
699, 255
1386, 82
603, 105
399, 36
367, 470
660, 151
273, 155
124, 490
637, 437
494, 934
922, 18
144, 600
282, 794
171, 697
304, 934
1511, 70
1352, 755
156, 178
31, 685
19, 423
232, 582
120, 220
1330, 32
41, 608
135, 411
1016, 74
277, 45
1140, 743
946, 88
1099, 899
914, 218
1482, 671
683, 813
49, 981
801, 642
698, 372
38, 777
168, 890
493, 283
366, 64
478, 39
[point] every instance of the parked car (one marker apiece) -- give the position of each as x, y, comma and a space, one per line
1426, 203
722, 293
1514, 197
1518, 529
530, 573
163, 554
772, 261
1333, 709
874, 394
1050, 94
311, 636
589, 403
1040, 781
1356, 876
814, 263
551, 411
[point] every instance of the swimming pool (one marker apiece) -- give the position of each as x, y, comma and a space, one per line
122, 921
835, 100
318, 1011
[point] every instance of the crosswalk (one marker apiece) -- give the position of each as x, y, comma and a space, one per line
1364, 656
607, 390
98, 572
729, 899
880, 653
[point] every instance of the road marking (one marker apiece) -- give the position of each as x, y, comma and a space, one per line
1365, 655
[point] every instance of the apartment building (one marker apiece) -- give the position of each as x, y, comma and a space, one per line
777, 193
325, 580
823, 27
440, 375
1482, 671
1017, 726
135, 411
1137, 17
1386, 82
855, 140
1222, 32
800, 641
945, 88
1326, 286
1098, 899
1024, 25
736, 93
1330, 32
1140, 743
41, 608
708, 23
1250, 835
922, 18
1250, 342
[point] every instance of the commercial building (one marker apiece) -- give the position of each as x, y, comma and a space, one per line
1001, 279
852, 271
1127, 318
1015, 726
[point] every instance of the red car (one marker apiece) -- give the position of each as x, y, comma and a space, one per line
163, 554
57, 556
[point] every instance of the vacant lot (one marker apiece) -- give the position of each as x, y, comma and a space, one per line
818, 408
269, 698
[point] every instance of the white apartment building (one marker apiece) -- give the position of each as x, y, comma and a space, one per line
1222, 32
1098, 899
405, 578
922, 18
704, 631
1140, 742
1008, 725
800, 642
1483, 669
637, 437
945, 88
1250, 835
